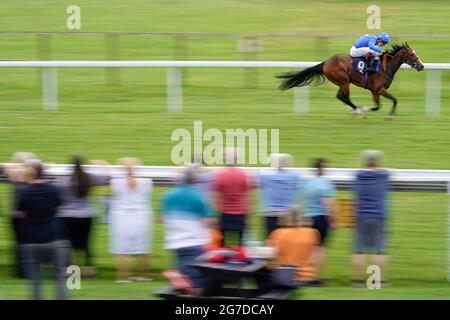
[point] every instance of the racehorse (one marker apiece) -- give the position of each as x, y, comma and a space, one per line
338, 69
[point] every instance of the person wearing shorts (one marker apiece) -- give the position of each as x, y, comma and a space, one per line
231, 189
370, 236
371, 187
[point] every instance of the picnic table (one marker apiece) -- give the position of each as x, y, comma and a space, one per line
228, 280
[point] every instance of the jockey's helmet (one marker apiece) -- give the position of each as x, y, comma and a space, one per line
383, 38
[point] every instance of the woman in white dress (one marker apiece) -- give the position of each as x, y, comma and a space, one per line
130, 221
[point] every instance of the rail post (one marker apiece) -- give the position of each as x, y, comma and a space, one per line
181, 53
112, 46
174, 90
301, 100
433, 94
50, 89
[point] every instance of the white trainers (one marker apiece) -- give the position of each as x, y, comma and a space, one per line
141, 279
123, 281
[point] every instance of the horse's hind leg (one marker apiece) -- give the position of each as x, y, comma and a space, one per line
386, 94
344, 95
341, 95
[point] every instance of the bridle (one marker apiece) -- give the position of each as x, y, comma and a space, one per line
414, 61
414, 58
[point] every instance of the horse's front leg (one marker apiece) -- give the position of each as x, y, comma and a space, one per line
386, 94
376, 100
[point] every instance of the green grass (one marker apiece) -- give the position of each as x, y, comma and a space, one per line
108, 122
417, 252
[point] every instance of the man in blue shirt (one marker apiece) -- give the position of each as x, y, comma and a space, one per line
369, 46
371, 187
278, 191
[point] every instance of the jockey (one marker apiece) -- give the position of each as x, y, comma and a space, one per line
369, 47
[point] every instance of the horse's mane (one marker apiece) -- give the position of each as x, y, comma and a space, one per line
396, 48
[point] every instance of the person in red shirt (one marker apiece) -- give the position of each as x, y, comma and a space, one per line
232, 187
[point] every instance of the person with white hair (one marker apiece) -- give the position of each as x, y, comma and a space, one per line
278, 190
130, 220
371, 188
231, 187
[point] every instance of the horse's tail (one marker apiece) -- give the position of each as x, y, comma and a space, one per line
312, 76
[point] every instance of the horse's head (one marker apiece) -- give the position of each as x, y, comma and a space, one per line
410, 58
407, 55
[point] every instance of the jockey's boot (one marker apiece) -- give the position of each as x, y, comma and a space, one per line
368, 67
373, 63
376, 64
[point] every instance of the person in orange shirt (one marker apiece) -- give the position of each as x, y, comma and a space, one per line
295, 243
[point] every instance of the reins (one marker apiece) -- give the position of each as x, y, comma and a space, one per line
384, 65
384, 62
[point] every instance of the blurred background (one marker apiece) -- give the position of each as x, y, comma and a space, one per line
109, 113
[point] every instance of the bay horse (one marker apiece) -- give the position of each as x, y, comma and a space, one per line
338, 69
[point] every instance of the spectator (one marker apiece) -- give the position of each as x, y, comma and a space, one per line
372, 185
320, 206
18, 175
186, 219
37, 205
278, 190
75, 216
203, 176
231, 187
203, 183
296, 243
130, 221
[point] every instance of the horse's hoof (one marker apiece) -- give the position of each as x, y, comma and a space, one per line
360, 112
366, 109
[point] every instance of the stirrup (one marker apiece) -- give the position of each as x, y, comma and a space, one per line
368, 68
377, 65
373, 66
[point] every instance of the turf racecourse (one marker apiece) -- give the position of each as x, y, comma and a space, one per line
107, 122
